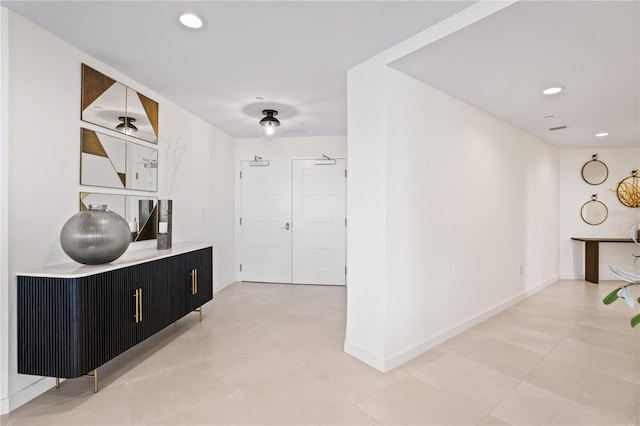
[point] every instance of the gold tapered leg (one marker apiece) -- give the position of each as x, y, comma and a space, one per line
95, 380
57, 382
200, 310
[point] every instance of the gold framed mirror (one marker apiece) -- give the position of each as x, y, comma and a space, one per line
594, 172
628, 190
594, 212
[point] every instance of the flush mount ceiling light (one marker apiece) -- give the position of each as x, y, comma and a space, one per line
191, 20
553, 90
270, 123
127, 125
601, 134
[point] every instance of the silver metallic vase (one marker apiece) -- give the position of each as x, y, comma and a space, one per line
95, 236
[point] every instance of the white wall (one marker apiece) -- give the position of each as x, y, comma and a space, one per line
43, 143
4, 210
574, 192
460, 202
366, 211
307, 147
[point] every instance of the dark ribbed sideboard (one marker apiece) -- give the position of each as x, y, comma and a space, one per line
69, 324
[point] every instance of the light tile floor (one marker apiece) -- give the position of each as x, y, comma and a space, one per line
273, 354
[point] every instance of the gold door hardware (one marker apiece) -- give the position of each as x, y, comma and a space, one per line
138, 297
194, 281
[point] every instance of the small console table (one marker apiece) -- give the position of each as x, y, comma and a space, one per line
73, 318
592, 255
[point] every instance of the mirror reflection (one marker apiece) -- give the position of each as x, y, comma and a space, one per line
140, 212
142, 167
110, 104
595, 172
594, 212
110, 162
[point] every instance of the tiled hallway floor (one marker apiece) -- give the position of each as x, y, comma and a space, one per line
273, 354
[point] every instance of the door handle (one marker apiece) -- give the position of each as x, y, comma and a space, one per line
285, 227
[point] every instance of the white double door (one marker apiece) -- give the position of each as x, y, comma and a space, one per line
293, 222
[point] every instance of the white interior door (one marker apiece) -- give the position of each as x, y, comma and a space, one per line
265, 231
319, 222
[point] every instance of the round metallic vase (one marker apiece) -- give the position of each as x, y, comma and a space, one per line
95, 236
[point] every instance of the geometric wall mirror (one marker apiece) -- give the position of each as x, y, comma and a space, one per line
111, 162
140, 212
108, 103
103, 160
594, 172
594, 212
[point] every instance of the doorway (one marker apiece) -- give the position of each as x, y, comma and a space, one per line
293, 221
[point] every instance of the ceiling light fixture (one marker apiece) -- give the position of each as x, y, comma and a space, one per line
602, 134
191, 20
553, 90
127, 125
269, 123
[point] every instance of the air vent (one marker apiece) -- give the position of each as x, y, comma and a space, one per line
558, 128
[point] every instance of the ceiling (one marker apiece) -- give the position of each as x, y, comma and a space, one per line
502, 63
295, 54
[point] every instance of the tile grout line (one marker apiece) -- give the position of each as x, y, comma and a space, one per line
529, 373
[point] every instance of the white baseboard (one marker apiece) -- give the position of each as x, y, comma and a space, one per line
4, 406
365, 356
25, 395
398, 359
571, 276
222, 285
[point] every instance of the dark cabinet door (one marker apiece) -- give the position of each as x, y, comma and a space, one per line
109, 312
150, 293
203, 280
190, 283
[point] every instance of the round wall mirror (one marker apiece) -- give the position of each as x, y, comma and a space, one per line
595, 172
594, 212
628, 190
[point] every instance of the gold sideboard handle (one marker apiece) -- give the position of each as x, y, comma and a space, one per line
196, 271
193, 281
137, 315
140, 299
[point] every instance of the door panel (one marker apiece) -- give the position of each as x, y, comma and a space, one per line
266, 211
319, 213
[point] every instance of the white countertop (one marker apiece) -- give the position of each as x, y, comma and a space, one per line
77, 270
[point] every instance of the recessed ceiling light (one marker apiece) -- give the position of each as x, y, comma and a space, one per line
552, 90
190, 20
549, 116
602, 134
